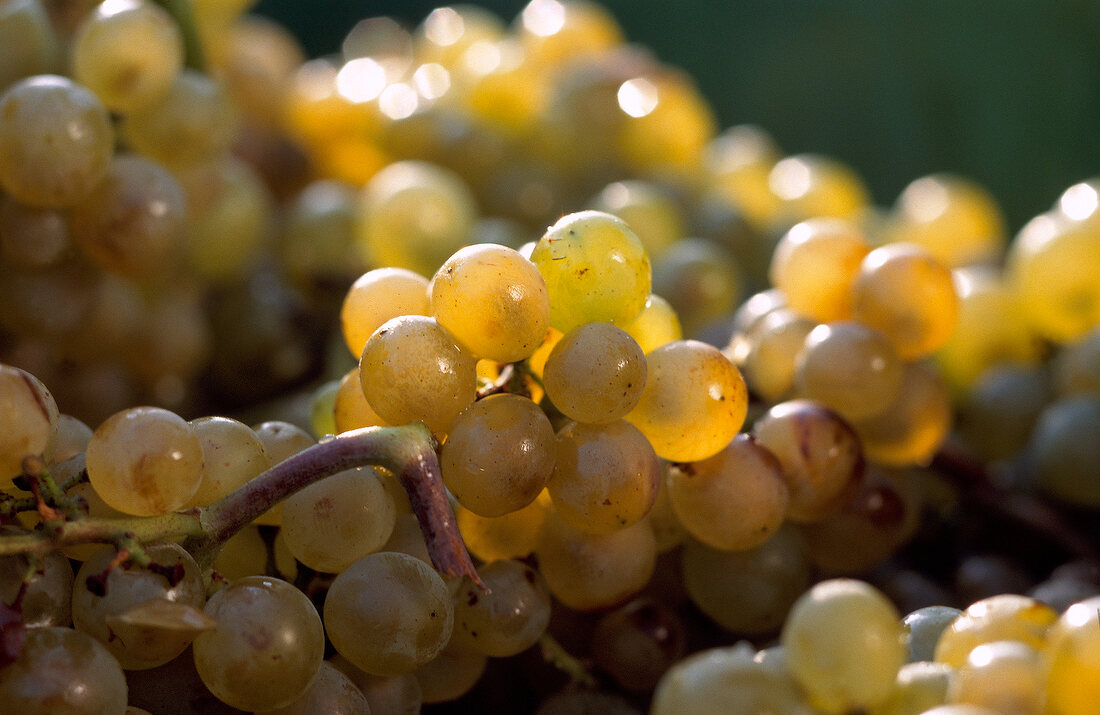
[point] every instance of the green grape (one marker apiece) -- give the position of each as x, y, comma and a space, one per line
638, 643
498, 455
694, 401
815, 265
844, 645
282, 439
47, 598
656, 325
330, 692
587, 572
60, 666
411, 369
701, 280
316, 243
999, 411
595, 373
375, 297
902, 291
128, 53
595, 269
726, 680
408, 538
770, 350
322, 408
1062, 456
1053, 265
232, 455
1004, 676
997, 618
192, 122
513, 305
72, 438
56, 141
450, 675
605, 476
414, 215
732, 501
748, 592
28, 420
645, 206
506, 620
267, 647
511, 536
32, 237
850, 368
819, 452
1071, 660
333, 523
919, 687
127, 587
397, 694
389, 613
256, 58
29, 40
145, 461
912, 428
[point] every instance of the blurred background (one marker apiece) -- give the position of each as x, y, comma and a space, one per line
1004, 92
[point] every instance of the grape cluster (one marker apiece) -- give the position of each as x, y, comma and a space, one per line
707, 421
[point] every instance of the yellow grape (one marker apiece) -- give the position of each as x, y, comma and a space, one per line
997, 618
1071, 660
29, 420
559, 31
811, 185
512, 536
850, 368
656, 325
770, 350
1003, 675
447, 32
914, 425
738, 162
350, 407
595, 268
513, 304
595, 373
694, 401
232, 455
815, 265
651, 211
375, 297
508, 619
919, 687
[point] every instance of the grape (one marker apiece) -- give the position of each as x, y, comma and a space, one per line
243, 554
511, 536
923, 629
330, 692
605, 476
145, 461
498, 455
1002, 617
506, 620
256, 58
857, 617
350, 407
662, 517
693, 403
411, 369
56, 141
129, 586
232, 455
770, 350
647, 208
398, 694
1076, 368
266, 648
334, 522
29, 40
656, 325
592, 571
556, 31
819, 452
450, 675
595, 269
47, 600
815, 265
282, 439
28, 419
919, 687
1000, 410
128, 53
1071, 660
737, 163
850, 368
514, 307
60, 667
1062, 455
912, 428
174, 688
748, 592
316, 242
734, 500
595, 373
701, 280
726, 680
31, 237
377, 296
1003, 676
389, 613
811, 185
638, 643
447, 32
72, 438
902, 291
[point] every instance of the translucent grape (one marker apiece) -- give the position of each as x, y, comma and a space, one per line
998, 413
397, 694
28, 419
498, 455
591, 571
693, 403
997, 618
923, 629
1076, 368
508, 619
914, 426
375, 297
62, 666
735, 500
450, 675
31, 237
595, 373
819, 452
850, 368
815, 265
350, 407
56, 141
1071, 660
811, 185
511, 536
513, 304
334, 522
1062, 456
595, 269
861, 673
700, 279
656, 325
267, 647
638, 643
389, 613
47, 600
770, 351
30, 41
555, 32
1003, 675
128, 53
605, 477
648, 209
330, 692
232, 455
243, 554
316, 241
411, 369
145, 461
919, 687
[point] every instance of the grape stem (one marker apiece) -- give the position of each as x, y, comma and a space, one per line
184, 15
407, 451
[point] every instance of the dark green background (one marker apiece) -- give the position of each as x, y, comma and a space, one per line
1004, 91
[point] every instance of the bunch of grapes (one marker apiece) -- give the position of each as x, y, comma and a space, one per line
619, 413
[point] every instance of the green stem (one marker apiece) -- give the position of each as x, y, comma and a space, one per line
89, 530
564, 661
184, 15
